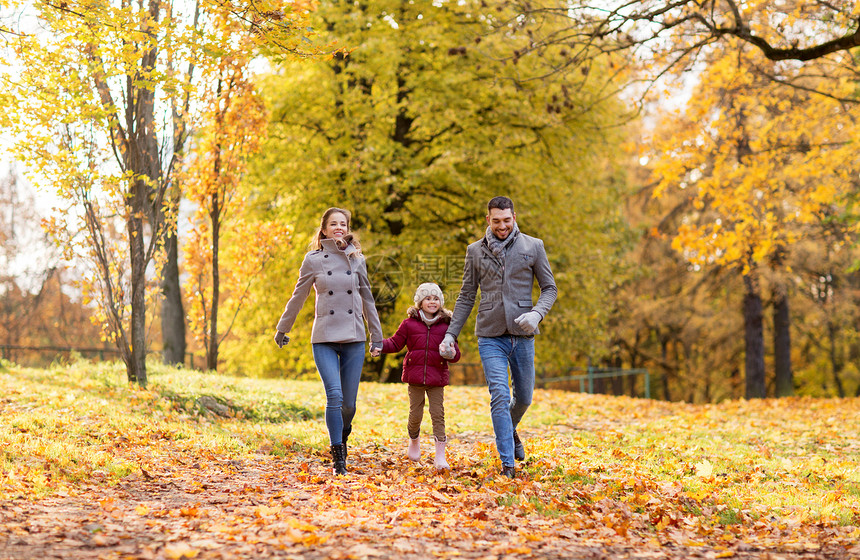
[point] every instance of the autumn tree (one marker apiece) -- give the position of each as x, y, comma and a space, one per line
657, 37
668, 316
680, 320
99, 102
25, 259
38, 305
235, 125
414, 129
804, 46
762, 165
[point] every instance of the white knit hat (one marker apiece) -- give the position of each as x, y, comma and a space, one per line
428, 289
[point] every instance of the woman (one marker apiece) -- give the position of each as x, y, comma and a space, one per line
337, 271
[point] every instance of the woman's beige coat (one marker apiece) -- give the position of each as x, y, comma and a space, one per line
343, 297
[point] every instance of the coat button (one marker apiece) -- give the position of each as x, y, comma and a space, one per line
329, 272
349, 291
331, 293
331, 312
348, 272
349, 311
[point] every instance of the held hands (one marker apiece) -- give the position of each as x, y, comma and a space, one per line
281, 339
528, 321
446, 349
375, 349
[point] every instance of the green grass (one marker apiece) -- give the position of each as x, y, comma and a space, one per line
723, 464
729, 516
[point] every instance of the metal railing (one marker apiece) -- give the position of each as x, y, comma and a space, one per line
588, 379
593, 375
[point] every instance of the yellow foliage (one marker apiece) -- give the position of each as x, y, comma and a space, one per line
758, 160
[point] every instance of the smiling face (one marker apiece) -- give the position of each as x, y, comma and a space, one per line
430, 305
501, 222
335, 226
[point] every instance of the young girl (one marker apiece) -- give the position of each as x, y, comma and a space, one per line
337, 271
423, 368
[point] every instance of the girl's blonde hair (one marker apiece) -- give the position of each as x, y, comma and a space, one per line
316, 240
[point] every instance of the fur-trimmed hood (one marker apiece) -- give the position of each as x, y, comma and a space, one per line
446, 314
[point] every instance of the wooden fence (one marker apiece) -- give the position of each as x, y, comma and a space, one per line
43, 356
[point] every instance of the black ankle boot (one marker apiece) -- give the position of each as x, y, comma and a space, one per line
345, 447
338, 455
519, 450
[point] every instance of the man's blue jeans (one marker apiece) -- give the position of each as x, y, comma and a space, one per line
339, 366
497, 353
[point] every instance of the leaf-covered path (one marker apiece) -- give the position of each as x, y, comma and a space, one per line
388, 507
93, 468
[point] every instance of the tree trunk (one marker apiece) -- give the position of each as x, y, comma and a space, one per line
386, 374
782, 345
664, 379
172, 311
754, 339
136, 366
142, 159
835, 361
212, 352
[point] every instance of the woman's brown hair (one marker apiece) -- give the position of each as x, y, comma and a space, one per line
316, 240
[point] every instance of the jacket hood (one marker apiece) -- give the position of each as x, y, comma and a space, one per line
446, 314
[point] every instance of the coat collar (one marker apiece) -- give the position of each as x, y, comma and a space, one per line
330, 246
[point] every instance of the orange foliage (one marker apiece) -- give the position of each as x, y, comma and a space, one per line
224, 252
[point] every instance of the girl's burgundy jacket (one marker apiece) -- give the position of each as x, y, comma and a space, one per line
422, 365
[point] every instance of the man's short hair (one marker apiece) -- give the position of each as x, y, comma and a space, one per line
500, 202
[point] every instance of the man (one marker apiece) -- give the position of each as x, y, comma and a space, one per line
504, 264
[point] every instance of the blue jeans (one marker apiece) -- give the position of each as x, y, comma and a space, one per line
339, 366
497, 353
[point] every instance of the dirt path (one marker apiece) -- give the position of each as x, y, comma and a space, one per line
293, 508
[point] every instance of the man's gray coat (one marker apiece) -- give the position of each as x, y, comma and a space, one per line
506, 287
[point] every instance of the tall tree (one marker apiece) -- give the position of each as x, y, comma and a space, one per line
669, 317
235, 125
99, 101
762, 164
784, 375
414, 130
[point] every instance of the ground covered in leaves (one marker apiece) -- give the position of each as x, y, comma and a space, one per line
208, 466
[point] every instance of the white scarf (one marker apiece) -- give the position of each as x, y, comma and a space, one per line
429, 320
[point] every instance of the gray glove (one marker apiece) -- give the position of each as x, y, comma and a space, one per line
447, 349
375, 349
528, 321
281, 339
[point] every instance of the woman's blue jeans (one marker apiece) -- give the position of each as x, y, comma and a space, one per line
497, 353
339, 366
